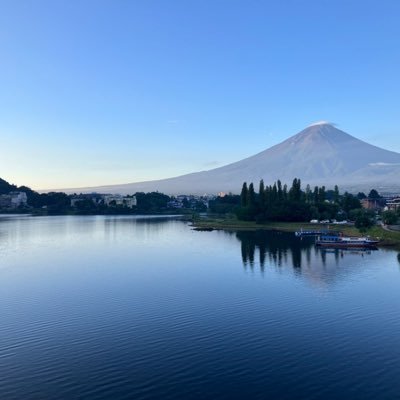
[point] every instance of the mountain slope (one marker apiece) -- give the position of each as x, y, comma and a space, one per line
320, 154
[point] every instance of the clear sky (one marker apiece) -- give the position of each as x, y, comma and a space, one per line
102, 92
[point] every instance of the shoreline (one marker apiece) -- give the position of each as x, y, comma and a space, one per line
387, 238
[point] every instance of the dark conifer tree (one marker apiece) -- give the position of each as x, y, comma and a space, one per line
251, 196
285, 192
315, 195
361, 195
336, 194
308, 194
280, 192
373, 194
267, 197
261, 195
295, 190
274, 194
321, 194
261, 188
243, 195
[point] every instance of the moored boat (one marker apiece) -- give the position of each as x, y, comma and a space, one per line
345, 241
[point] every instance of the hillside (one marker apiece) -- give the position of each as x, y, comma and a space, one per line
6, 187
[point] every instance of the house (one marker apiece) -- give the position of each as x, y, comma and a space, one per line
95, 198
118, 200
372, 203
13, 200
393, 204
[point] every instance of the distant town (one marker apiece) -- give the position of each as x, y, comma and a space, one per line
22, 199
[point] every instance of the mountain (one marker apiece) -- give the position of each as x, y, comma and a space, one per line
321, 154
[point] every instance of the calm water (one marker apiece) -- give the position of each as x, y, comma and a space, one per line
146, 308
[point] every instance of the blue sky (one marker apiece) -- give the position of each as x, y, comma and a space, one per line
102, 92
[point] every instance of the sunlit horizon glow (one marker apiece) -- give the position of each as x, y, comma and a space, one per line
99, 93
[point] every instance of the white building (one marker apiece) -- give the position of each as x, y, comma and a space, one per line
393, 204
118, 200
18, 199
13, 200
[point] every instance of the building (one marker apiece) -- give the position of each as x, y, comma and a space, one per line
118, 200
18, 199
13, 200
95, 198
393, 204
373, 204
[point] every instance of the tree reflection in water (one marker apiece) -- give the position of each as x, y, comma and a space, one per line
279, 247
274, 246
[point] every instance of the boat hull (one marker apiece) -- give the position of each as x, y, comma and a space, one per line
348, 245
345, 242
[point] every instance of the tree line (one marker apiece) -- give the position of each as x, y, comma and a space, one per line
278, 202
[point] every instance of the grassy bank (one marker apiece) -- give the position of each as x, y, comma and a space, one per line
387, 238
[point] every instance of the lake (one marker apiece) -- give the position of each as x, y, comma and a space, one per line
137, 308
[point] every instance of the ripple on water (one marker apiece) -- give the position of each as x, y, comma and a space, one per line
101, 308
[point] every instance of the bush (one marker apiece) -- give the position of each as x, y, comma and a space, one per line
390, 218
363, 219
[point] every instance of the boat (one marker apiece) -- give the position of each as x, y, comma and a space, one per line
345, 241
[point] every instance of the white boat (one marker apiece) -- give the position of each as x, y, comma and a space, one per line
345, 241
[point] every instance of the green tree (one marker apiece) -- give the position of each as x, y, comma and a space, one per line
389, 217
261, 188
350, 202
295, 190
222, 205
361, 195
315, 195
280, 191
251, 196
336, 194
243, 195
363, 219
285, 192
274, 195
373, 194
308, 193
321, 194
261, 195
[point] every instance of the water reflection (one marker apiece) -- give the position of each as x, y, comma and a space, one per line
277, 247
128, 307
27, 236
282, 250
